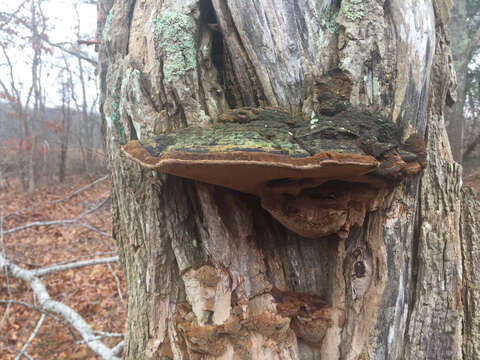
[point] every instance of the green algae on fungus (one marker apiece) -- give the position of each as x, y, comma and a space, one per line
173, 33
250, 147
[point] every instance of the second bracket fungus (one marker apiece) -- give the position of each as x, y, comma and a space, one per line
316, 176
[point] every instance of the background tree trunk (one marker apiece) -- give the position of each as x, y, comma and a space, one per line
66, 120
462, 55
210, 274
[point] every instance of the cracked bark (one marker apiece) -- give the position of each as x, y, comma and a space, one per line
210, 274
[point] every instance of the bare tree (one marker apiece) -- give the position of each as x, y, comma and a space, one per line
33, 22
66, 121
88, 124
464, 32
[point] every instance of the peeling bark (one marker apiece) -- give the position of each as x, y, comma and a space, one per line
210, 274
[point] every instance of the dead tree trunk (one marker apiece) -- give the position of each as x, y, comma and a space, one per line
212, 275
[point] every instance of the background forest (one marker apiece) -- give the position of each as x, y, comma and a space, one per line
66, 299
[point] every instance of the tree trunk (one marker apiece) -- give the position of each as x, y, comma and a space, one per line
462, 55
87, 123
65, 135
210, 274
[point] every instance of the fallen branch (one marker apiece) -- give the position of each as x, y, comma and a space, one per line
72, 194
118, 349
57, 267
65, 222
58, 308
40, 310
13, 350
103, 253
117, 281
56, 222
101, 335
31, 337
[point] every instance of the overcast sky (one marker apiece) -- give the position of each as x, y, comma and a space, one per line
62, 28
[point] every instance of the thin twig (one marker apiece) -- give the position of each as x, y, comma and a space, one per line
88, 42
96, 207
25, 355
65, 222
75, 53
56, 267
108, 334
104, 253
40, 310
102, 335
117, 281
7, 17
118, 349
56, 222
32, 336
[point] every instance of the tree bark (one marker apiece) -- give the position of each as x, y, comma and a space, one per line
210, 274
462, 55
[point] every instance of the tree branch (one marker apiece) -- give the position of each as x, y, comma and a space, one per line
60, 46
40, 310
117, 281
57, 267
58, 308
72, 194
32, 336
56, 222
88, 42
13, 350
65, 222
72, 52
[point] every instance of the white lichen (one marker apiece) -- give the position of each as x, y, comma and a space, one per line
173, 36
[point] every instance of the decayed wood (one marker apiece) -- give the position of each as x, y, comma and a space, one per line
210, 273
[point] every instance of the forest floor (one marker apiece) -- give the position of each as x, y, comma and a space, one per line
96, 292
472, 178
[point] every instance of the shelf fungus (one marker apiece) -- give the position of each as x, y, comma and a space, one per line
316, 176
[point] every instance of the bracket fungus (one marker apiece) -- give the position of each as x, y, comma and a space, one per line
316, 176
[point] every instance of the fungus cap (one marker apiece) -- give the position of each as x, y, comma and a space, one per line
300, 168
250, 171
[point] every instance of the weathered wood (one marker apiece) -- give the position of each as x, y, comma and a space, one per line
212, 275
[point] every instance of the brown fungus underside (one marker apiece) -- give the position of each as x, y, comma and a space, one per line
316, 176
